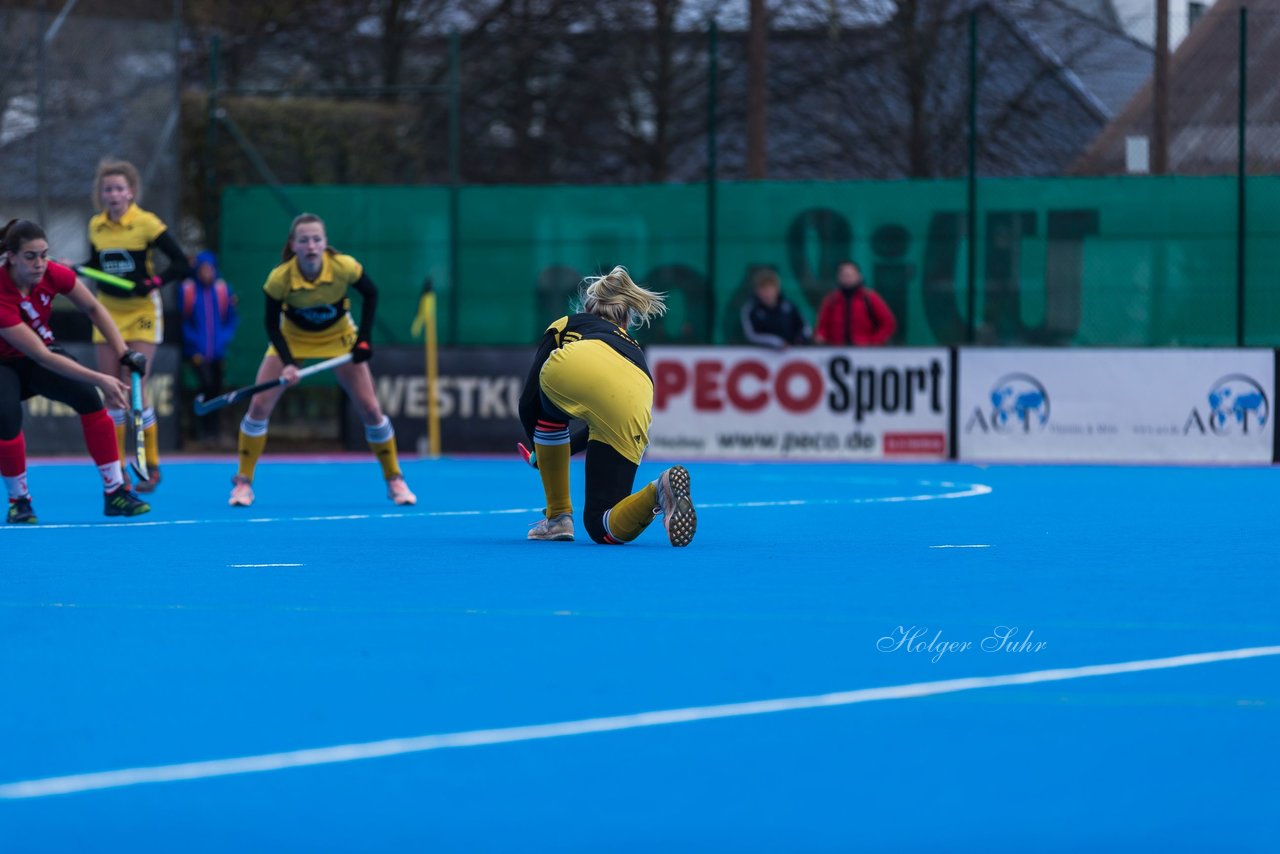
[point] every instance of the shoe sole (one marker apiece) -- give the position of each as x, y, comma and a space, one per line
682, 523
556, 538
113, 512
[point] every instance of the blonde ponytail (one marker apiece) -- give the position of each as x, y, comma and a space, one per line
619, 300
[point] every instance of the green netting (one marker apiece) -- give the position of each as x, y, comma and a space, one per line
1138, 261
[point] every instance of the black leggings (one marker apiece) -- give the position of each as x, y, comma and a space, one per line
209, 378
610, 477
23, 378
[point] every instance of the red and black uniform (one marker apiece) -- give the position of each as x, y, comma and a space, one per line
22, 378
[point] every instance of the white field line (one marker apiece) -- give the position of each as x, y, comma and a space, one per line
260, 565
418, 744
958, 491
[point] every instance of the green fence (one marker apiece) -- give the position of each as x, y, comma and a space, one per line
1126, 261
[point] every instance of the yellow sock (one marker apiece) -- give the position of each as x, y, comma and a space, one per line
251, 448
630, 516
151, 444
553, 466
386, 454
120, 428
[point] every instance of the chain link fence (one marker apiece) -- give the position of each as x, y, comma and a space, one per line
995, 167
77, 89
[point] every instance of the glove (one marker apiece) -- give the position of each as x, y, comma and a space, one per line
362, 352
134, 361
530, 457
147, 285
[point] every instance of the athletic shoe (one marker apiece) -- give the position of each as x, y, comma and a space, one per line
20, 512
556, 529
121, 502
676, 506
398, 491
149, 485
241, 491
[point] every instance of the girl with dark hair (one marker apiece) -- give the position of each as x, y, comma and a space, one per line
30, 364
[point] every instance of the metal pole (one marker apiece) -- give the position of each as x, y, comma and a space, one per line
712, 166
211, 145
1160, 93
42, 71
173, 161
455, 183
971, 256
1241, 171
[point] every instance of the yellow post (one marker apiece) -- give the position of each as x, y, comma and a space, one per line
425, 323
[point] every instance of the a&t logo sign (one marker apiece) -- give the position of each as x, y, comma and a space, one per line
1019, 404
1237, 407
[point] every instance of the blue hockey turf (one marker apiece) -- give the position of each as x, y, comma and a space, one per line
328, 672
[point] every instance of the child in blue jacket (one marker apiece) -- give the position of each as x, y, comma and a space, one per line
208, 324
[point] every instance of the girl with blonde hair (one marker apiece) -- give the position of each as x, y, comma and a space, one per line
588, 367
123, 239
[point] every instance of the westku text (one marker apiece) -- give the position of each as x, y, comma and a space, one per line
799, 386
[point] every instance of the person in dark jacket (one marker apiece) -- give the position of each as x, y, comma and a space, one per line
208, 324
770, 319
853, 314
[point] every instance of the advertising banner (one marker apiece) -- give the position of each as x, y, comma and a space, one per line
1207, 406
835, 403
54, 428
478, 398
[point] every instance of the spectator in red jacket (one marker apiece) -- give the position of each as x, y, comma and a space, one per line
853, 313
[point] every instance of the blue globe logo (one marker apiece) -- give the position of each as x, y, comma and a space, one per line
1019, 402
1237, 404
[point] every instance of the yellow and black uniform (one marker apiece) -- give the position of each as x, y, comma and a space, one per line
311, 319
124, 248
589, 369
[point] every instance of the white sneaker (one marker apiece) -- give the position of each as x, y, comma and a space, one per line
556, 529
241, 491
676, 505
398, 491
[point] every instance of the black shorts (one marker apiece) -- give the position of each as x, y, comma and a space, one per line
22, 378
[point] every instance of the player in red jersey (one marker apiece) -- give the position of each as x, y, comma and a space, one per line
30, 365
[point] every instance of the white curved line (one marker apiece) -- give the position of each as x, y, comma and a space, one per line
970, 491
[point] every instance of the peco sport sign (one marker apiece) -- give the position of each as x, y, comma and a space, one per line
814, 403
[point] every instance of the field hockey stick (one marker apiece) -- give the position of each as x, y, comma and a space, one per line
139, 461
204, 407
107, 278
